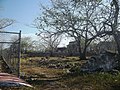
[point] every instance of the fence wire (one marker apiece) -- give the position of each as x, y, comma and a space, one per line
10, 50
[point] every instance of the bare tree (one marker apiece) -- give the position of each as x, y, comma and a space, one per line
115, 23
50, 42
81, 21
5, 22
26, 44
111, 17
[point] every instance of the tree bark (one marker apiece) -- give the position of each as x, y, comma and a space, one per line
82, 55
115, 25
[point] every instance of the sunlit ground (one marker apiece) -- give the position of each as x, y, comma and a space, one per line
52, 74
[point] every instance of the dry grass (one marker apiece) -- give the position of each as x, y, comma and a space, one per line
45, 77
43, 71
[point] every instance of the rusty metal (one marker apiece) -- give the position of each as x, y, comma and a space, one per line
8, 80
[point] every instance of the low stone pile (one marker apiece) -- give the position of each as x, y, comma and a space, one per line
106, 61
56, 64
60, 65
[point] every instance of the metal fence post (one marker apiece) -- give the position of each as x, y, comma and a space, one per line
19, 53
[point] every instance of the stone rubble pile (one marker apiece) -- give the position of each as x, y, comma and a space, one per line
106, 61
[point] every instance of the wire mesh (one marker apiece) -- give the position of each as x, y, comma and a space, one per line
10, 50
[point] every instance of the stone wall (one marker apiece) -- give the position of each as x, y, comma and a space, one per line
105, 61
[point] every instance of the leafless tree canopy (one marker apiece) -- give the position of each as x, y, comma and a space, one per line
49, 41
5, 22
84, 20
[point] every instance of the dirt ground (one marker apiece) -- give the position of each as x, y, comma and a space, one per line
47, 73
52, 73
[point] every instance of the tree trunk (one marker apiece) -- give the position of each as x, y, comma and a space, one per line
115, 25
116, 37
82, 55
115, 28
51, 54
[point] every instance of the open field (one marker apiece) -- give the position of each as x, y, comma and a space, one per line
52, 74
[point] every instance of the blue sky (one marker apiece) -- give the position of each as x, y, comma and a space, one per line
23, 11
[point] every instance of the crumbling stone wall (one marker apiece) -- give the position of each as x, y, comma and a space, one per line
105, 61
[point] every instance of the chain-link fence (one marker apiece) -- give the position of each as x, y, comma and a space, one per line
10, 51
